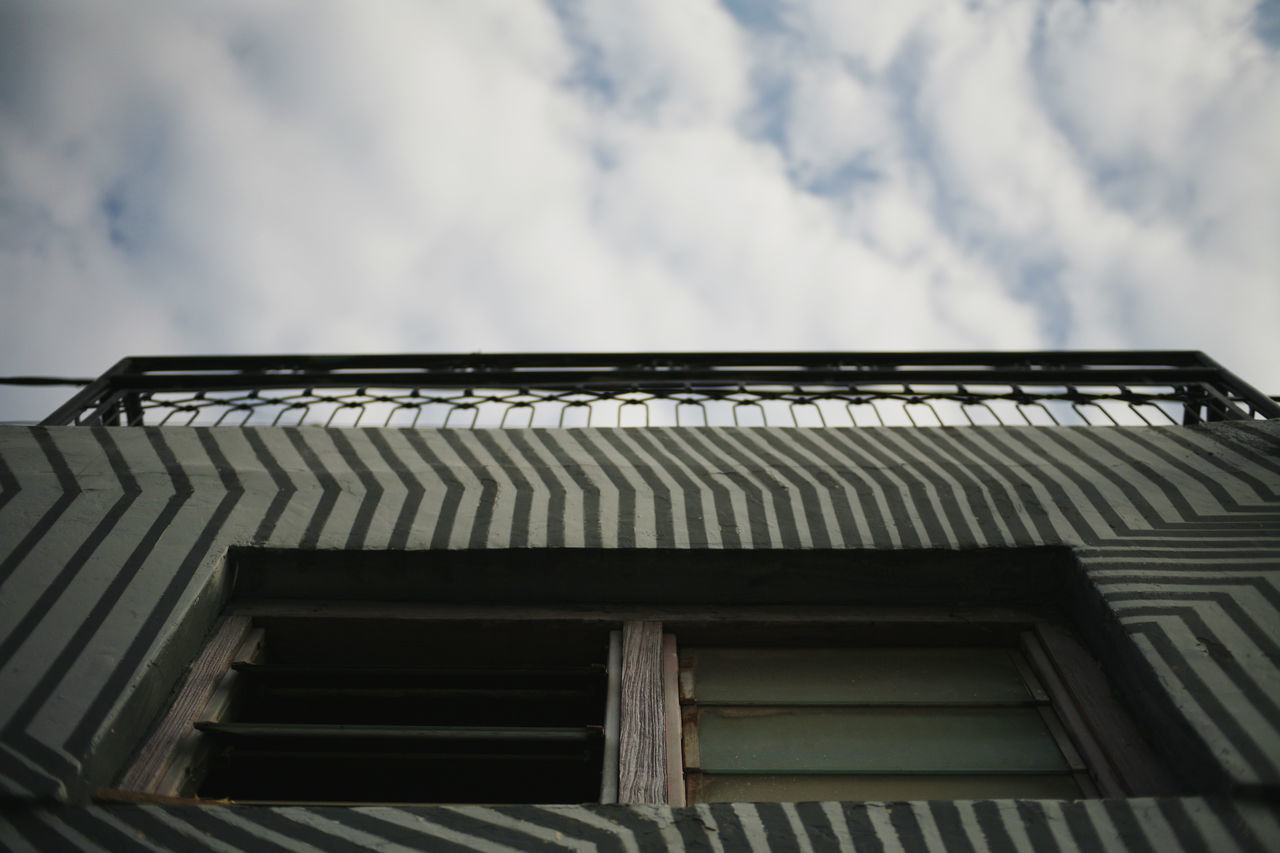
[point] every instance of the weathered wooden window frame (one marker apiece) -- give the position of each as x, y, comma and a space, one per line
642, 714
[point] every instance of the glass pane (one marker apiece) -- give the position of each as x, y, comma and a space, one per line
796, 789
753, 676
876, 740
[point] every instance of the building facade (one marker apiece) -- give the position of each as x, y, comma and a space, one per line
120, 546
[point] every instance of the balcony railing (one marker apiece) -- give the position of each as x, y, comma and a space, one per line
833, 389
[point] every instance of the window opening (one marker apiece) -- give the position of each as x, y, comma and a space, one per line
403, 710
397, 703
881, 723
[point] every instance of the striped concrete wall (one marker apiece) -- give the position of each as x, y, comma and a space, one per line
108, 537
1166, 825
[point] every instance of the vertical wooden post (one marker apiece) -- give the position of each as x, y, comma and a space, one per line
642, 754
671, 718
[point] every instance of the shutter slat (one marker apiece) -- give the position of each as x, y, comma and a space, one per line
562, 734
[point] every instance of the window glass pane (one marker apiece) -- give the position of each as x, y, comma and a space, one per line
876, 740
794, 788
749, 676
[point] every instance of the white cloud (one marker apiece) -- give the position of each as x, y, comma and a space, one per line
675, 63
459, 176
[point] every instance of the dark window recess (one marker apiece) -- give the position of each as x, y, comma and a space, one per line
484, 717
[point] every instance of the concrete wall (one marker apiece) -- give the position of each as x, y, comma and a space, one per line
113, 544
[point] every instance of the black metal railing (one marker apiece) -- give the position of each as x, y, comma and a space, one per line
669, 389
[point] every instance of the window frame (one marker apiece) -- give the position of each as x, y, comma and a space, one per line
731, 707
646, 739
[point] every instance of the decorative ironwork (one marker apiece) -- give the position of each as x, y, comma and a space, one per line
669, 389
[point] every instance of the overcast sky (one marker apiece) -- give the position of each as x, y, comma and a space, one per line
408, 175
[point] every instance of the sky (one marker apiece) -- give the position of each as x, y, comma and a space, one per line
244, 176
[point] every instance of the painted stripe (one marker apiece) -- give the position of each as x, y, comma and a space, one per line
777, 828
878, 818
661, 497
56, 589
851, 457
9, 486
413, 831
837, 510
277, 820
373, 491
44, 834
728, 827
1258, 818
1208, 474
651, 825
1161, 497
625, 533
414, 491
658, 447
993, 827
1217, 459
907, 828
946, 817
1201, 705
1231, 615
943, 491
452, 497
934, 840
499, 828
775, 498
284, 487
752, 827
1027, 821
576, 825
1090, 826
226, 824
585, 491
870, 510
1129, 828
692, 831
189, 835
328, 487
516, 490
709, 500
1234, 440
715, 840
809, 516
739, 501
347, 824
1215, 673
550, 500
978, 511
135, 655
69, 490
107, 598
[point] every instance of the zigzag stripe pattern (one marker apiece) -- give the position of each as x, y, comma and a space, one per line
108, 535
1165, 824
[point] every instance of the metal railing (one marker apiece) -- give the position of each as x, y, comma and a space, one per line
830, 389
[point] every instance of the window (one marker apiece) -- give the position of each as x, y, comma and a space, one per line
871, 724
367, 703
355, 705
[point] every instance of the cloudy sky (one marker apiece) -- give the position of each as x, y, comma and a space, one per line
410, 175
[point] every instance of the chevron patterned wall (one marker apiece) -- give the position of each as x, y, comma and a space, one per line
1167, 825
109, 537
